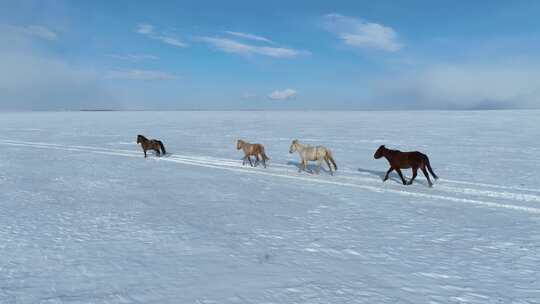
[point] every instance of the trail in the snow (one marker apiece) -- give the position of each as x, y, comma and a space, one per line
283, 171
211, 158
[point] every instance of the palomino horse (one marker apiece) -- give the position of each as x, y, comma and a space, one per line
252, 149
317, 153
151, 144
405, 160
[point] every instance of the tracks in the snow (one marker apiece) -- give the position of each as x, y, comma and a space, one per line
498, 196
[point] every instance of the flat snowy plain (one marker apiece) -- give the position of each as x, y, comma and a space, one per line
84, 218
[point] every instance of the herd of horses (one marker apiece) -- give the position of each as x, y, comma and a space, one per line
397, 159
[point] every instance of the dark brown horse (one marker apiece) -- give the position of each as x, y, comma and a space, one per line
151, 144
404, 160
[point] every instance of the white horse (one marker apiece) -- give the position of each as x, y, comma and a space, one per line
317, 153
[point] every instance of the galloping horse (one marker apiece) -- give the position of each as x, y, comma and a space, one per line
405, 160
252, 149
317, 153
151, 144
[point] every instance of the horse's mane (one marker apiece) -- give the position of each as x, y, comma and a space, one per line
384, 148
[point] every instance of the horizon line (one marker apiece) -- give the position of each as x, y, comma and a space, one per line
267, 110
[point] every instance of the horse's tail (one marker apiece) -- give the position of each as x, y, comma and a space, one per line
428, 165
264, 155
162, 147
330, 158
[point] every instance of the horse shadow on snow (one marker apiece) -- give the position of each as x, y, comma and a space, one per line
393, 176
311, 167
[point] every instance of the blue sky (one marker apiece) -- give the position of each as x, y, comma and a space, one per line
277, 55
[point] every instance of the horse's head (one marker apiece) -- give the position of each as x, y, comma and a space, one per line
292, 148
379, 153
139, 138
239, 144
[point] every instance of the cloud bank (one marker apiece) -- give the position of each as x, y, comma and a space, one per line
461, 86
32, 80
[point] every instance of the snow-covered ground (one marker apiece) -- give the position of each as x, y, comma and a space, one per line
84, 218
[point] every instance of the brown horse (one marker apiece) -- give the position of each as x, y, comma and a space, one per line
151, 144
252, 149
405, 160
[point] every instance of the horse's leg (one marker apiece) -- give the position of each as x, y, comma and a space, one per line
427, 176
249, 158
301, 166
244, 160
387, 172
318, 166
329, 167
257, 160
144, 152
401, 175
414, 172
263, 161
158, 153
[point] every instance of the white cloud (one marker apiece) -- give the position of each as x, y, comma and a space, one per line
235, 47
283, 95
41, 32
148, 31
144, 28
134, 57
249, 36
170, 40
362, 34
134, 74
35, 31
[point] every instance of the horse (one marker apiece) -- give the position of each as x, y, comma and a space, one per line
151, 144
317, 153
405, 160
252, 149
